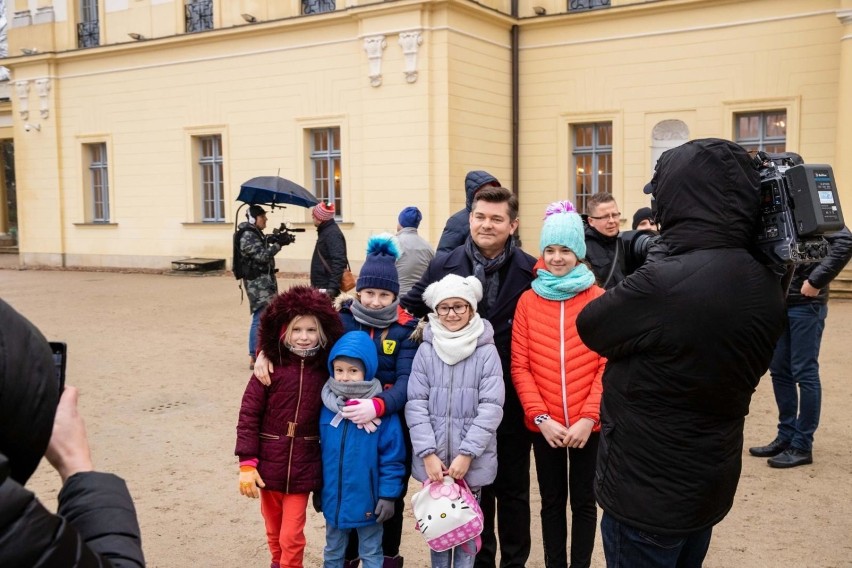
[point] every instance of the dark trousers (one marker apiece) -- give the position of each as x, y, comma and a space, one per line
564, 473
511, 491
629, 547
795, 375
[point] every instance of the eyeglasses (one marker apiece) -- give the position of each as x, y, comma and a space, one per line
458, 309
611, 217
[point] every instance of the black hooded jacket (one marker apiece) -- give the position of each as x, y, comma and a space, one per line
95, 525
687, 339
329, 259
458, 225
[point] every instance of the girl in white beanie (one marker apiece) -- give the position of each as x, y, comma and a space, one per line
558, 380
455, 396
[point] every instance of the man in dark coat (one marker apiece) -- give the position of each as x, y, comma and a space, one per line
795, 364
95, 525
489, 253
602, 225
329, 259
458, 225
687, 338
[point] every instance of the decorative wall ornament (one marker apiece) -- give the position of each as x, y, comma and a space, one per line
23, 90
374, 46
670, 129
43, 89
410, 43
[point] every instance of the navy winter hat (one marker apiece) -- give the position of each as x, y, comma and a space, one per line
642, 214
410, 217
356, 345
379, 270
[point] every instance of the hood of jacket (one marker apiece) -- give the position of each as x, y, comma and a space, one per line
706, 194
473, 181
297, 301
29, 394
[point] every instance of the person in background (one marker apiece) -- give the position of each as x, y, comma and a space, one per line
603, 221
364, 466
795, 364
329, 259
415, 253
278, 429
643, 220
457, 228
558, 380
95, 524
696, 330
257, 259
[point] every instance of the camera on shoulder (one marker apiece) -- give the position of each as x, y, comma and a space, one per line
283, 235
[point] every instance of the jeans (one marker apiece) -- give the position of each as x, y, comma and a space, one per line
795, 363
629, 547
255, 323
564, 473
369, 545
511, 491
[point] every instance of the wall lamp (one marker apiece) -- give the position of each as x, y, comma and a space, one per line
539, 10
30, 127
137, 37
29, 50
249, 18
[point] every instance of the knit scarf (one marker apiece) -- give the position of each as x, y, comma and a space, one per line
559, 288
454, 346
304, 352
336, 393
487, 270
380, 318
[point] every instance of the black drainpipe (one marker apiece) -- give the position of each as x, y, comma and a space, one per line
515, 98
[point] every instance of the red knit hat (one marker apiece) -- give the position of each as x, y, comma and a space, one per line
323, 211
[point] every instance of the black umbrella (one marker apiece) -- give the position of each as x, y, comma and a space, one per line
275, 190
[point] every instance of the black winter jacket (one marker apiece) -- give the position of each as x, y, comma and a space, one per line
516, 275
600, 252
332, 245
458, 225
95, 524
687, 339
820, 274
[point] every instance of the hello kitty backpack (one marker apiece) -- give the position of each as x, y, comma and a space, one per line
448, 515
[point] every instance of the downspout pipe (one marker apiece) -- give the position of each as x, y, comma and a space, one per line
516, 118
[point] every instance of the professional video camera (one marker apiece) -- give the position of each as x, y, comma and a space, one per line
632, 249
283, 235
799, 204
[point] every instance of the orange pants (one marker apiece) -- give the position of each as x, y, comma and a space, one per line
285, 516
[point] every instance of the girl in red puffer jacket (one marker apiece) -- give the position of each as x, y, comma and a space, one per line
558, 380
278, 429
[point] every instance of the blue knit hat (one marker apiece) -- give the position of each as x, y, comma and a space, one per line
410, 217
356, 345
379, 270
563, 227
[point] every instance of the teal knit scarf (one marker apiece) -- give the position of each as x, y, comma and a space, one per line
560, 288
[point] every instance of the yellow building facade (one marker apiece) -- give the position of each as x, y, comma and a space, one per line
135, 121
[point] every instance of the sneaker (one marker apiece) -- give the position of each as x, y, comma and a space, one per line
771, 449
791, 457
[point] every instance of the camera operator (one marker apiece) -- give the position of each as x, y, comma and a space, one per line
95, 523
602, 222
256, 265
696, 331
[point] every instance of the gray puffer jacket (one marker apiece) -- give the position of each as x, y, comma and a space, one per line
455, 409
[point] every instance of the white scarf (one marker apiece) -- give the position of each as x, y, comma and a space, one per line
454, 346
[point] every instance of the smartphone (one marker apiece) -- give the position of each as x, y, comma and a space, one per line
60, 352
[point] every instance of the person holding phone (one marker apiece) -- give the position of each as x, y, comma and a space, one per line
95, 524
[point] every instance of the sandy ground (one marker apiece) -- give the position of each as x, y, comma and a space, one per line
161, 364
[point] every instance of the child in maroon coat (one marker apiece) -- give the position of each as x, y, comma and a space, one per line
278, 429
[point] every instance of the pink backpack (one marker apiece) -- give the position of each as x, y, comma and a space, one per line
448, 515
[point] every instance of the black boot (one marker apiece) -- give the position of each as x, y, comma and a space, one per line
393, 562
771, 449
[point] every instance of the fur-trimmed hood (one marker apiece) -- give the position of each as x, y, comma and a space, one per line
297, 301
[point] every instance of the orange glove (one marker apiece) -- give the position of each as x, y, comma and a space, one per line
249, 482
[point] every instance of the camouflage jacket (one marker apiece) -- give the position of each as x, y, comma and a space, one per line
253, 246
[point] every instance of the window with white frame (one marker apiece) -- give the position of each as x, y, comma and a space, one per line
592, 161
325, 167
97, 182
766, 130
210, 178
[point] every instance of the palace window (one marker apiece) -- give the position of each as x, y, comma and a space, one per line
592, 161
199, 15
210, 178
88, 30
325, 167
317, 6
765, 131
97, 182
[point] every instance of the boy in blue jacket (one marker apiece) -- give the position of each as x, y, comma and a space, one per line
363, 465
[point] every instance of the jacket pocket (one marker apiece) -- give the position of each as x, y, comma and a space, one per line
265, 436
